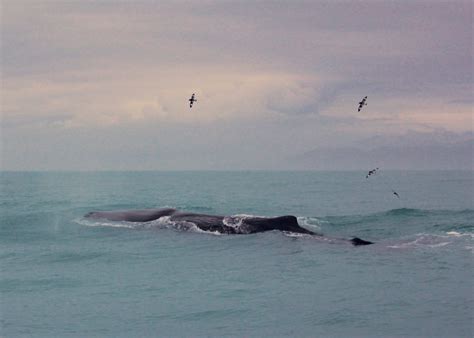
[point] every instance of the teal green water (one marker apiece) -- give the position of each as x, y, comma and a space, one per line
63, 276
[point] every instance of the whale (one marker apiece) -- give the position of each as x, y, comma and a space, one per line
232, 225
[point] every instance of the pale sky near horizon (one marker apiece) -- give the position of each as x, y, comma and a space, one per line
90, 85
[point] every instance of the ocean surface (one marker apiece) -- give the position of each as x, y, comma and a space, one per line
65, 276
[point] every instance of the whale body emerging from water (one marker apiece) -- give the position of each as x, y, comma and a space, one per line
213, 223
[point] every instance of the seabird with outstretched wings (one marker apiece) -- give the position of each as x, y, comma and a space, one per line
191, 101
374, 172
371, 172
362, 103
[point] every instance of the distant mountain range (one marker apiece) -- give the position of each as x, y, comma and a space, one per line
456, 155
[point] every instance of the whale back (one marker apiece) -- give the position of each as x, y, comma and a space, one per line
282, 223
212, 223
146, 215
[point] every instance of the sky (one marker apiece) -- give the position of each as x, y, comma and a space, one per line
103, 85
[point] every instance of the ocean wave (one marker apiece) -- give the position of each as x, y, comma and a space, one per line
311, 223
405, 212
425, 240
104, 223
196, 229
459, 234
405, 220
422, 212
321, 238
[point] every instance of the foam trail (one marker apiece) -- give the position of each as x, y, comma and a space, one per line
104, 223
424, 240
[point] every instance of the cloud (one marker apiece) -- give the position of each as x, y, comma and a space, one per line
130, 96
272, 79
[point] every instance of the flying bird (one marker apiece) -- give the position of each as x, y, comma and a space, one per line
374, 172
191, 101
371, 172
362, 103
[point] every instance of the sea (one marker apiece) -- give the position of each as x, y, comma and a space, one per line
62, 275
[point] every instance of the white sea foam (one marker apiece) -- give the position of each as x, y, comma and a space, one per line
247, 216
300, 235
164, 222
460, 234
424, 240
311, 223
295, 234
433, 241
105, 223
438, 244
235, 221
195, 228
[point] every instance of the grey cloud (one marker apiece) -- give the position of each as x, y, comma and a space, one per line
53, 119
96, 53
263, 32
404, 48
